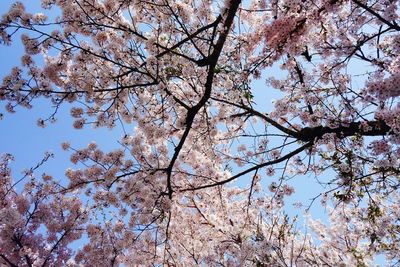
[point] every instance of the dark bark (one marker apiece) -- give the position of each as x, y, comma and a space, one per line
373, 128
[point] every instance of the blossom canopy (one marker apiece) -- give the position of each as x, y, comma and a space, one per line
204, 177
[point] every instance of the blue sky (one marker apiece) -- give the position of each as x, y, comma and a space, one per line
27, 142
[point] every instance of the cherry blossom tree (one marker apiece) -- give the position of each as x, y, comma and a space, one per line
183, 74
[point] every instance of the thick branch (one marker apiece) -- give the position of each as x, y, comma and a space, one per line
392, 25
372, 128
8, 261
18, 241
211, 62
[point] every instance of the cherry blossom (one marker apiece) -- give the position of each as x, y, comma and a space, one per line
204, 174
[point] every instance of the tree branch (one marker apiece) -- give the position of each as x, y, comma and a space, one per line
255, 168
382, 19
212, 62
372, 128
8, 261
